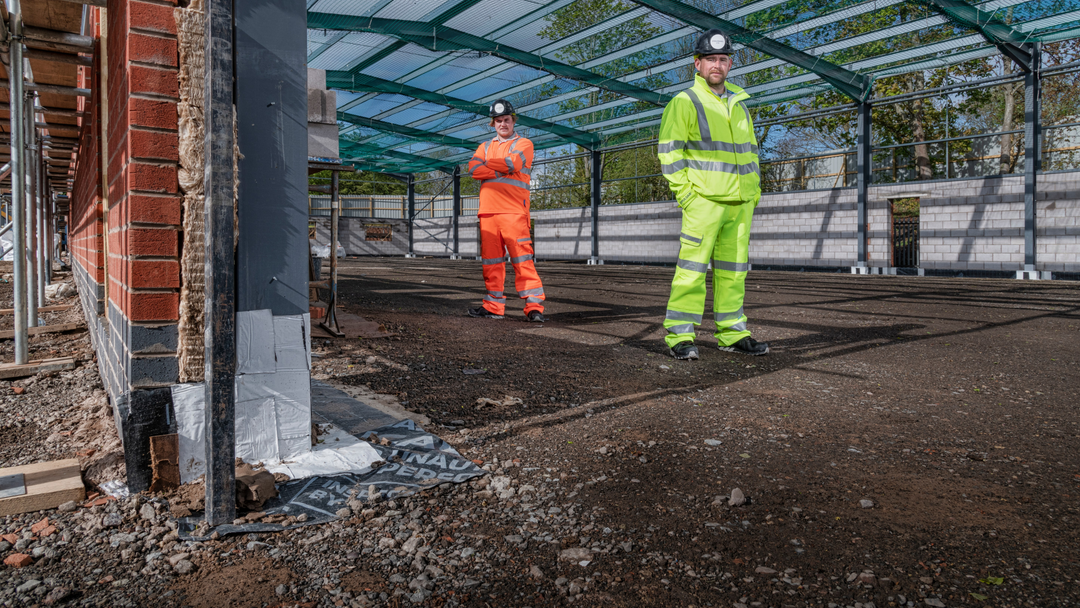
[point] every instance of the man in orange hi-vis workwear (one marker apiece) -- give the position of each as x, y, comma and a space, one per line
503, 166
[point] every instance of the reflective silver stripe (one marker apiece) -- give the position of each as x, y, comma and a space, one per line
533, 300
526, 171
720, 317
525, 240
683, 235
740, 326
521, 258
669, 146
517, 141
486, 143
681, 329
538, 291
521, 183
491, 299
496, 294
678, 315
732, 266
702, 119
694, 266
709, 165
712, 146
490, 261
476, 158
509, 164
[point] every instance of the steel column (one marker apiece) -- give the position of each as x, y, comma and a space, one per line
18, 176
456, 211
863, 176
1032, 155
220, 265
594, 205
411, 213
330, 322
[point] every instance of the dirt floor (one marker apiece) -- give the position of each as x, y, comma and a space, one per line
908, 442
949, 404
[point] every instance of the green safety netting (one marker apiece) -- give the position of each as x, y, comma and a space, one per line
415, 77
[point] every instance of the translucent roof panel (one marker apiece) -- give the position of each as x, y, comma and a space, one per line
585, 71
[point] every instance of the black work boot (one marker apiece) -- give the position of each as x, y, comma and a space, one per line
684, 350
748, 346
537, 317
483, 313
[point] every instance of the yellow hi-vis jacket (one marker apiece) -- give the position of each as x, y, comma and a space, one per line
707, 146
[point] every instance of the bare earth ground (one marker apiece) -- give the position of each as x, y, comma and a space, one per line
949, 404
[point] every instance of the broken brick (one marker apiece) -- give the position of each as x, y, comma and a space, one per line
39, 526
18, 560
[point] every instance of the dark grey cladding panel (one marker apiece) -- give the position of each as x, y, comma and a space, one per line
271, 86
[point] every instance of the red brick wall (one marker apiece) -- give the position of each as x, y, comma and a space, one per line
85, 226
144, 200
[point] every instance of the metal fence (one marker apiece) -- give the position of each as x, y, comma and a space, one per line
392, 206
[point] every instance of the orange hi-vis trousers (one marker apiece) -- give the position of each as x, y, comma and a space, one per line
509, 231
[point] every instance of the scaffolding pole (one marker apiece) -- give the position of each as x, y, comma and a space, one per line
30, 169
42, 249
18, 174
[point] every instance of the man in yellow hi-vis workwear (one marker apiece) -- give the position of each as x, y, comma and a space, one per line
709, 155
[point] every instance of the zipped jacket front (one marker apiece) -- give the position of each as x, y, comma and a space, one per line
504, 169
707, 146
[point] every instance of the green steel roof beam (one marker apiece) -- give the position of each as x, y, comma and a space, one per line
436, 38
387, 127
1010, 42
365, 83
375, 153
855, 86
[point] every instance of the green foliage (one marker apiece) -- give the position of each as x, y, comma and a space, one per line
361, 182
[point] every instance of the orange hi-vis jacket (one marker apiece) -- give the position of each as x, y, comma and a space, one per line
503, 169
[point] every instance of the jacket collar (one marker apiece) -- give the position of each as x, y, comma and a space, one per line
501, 140
737, 93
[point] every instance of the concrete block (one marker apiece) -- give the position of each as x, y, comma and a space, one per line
323, 140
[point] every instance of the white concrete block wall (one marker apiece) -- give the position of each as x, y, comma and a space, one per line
972, 224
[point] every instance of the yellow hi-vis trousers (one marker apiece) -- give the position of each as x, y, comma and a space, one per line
717, 233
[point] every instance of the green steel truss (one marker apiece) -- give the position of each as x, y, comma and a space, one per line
437, 37
855, 86
364, 83
440, 32
1010, 42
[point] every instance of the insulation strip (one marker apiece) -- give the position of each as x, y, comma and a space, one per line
191, 27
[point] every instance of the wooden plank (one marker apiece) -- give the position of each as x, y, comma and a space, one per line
8, 334
56, 308
165, 462
14, 370
48, 485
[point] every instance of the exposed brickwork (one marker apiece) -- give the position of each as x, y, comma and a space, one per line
144, 211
